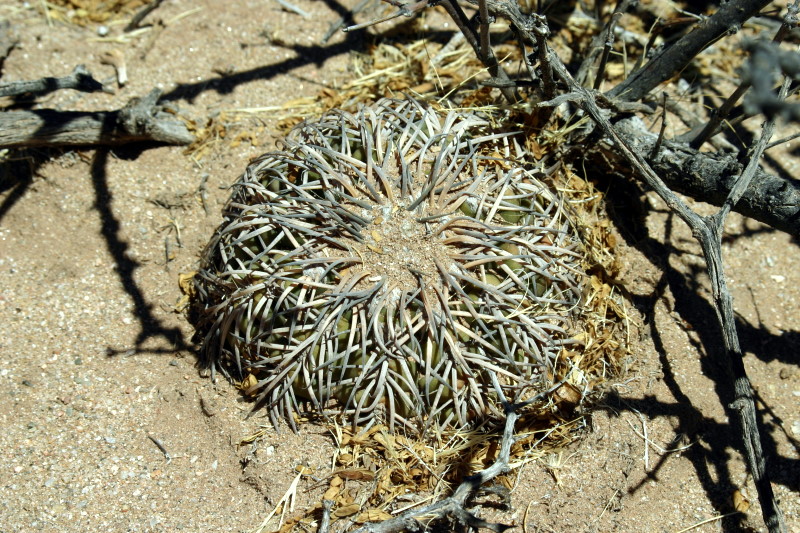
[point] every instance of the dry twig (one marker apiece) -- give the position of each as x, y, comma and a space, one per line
140, 120
79, 79
708, 230
454, 507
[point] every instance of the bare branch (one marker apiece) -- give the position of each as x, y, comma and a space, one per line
706, 176
609, 39
80, 79
708, 232
728, 19
454, 506
722, 112
709, 177
403, 10
491, 63
140, 120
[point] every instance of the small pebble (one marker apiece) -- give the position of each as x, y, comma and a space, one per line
102, 31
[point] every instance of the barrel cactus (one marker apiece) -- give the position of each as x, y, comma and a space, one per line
387, 262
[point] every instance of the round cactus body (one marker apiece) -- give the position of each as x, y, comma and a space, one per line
389, 261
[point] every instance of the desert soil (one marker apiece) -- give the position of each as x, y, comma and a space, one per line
94, 360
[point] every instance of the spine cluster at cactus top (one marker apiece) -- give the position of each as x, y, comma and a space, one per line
387, 262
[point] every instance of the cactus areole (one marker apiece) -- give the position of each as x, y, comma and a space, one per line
385, 263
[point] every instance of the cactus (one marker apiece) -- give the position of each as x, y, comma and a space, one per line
386, 262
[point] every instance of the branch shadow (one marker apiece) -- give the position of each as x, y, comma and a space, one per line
16, 176
714, 441
151, 326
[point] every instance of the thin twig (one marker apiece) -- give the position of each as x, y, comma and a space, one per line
294, 9
79, 79
161, 447
783, 140
483, 24
722, 112
707, 521
141, 14
404, 10
622, 6
325, 521
660, 139
338, 24
492, 65
454, 506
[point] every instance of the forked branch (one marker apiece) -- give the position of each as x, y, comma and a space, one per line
708, 230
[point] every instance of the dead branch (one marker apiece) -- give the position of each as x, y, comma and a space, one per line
454, 507
728, 19
722, 112
80, 79
140, 120
496, 70
708, 231
710, 178
705, 176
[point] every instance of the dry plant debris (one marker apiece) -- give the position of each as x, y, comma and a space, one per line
85, 12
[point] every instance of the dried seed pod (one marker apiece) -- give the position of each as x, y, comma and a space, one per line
390, 259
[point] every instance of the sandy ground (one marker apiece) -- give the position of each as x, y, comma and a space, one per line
94, 361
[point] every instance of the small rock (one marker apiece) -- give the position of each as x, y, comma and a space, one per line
786, 373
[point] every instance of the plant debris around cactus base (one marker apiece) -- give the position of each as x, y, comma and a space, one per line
383, 263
